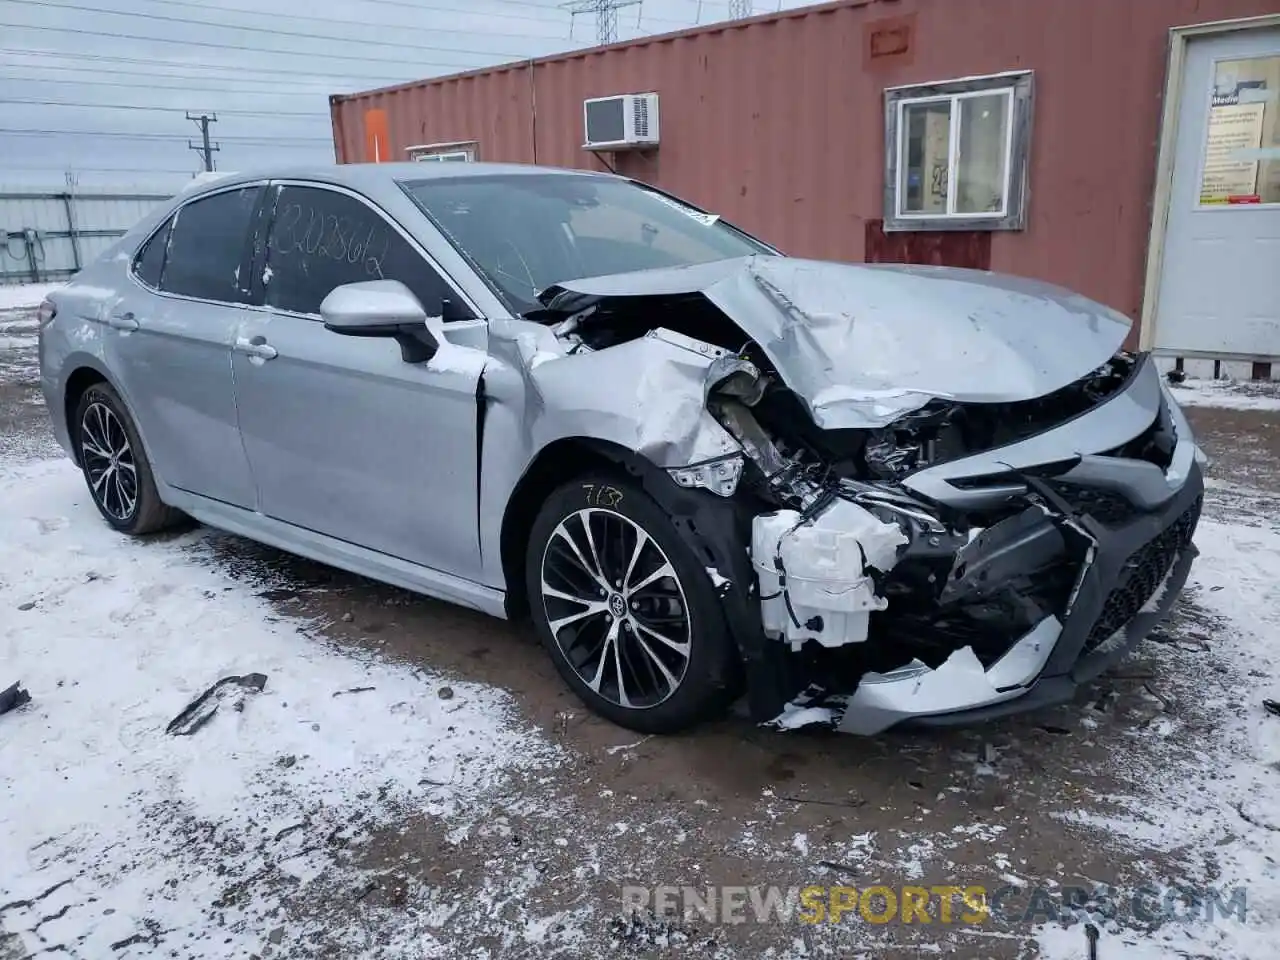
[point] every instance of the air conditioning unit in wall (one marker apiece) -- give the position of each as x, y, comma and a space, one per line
625, 122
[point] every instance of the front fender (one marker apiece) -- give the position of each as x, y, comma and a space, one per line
645, 397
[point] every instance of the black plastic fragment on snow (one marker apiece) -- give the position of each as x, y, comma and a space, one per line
12, 698
201, 710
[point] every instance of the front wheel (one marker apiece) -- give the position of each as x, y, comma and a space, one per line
626, 611
115, 466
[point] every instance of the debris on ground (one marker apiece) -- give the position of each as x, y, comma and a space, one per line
1091, 938
11, 698
1271, 706
229, 690
805, 710
642, 930
339, 693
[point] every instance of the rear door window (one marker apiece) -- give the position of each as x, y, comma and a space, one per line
149, 263
321, 239
210, 249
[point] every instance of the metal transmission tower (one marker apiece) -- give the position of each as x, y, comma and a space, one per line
204, 148
606, 12
738, 9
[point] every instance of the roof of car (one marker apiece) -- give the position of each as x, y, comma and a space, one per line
360, 176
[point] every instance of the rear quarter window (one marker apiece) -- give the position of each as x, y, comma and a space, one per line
148, 265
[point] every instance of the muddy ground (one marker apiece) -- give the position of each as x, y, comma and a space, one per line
732, 803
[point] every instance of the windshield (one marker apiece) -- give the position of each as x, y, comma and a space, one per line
525, 232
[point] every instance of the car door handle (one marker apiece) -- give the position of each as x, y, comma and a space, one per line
122, 321
256, 347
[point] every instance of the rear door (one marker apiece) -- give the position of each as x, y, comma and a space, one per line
169, 343
344, 437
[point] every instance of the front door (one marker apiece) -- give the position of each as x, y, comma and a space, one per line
1220, 282
344, 437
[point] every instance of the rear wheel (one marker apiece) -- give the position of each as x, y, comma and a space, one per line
115, 466
627, 613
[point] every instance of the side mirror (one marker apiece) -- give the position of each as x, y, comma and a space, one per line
380, 308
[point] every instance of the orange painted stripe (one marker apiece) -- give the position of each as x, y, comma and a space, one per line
377, 137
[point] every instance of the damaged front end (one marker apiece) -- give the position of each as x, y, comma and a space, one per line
936, 579
923, 555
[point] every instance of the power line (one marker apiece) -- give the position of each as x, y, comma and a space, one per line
48, 167
128, 135
319, 92
409, 4
311, 114
310, 18
233, 46
105, 58
272, 31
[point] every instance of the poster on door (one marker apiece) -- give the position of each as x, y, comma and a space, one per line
1233, 127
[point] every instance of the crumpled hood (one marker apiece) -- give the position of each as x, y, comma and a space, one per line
863, 344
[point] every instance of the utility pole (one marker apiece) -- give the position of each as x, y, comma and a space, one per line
739, 9
606, 12
205, 149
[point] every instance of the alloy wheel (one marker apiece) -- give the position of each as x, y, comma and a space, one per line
616, 608
108, 461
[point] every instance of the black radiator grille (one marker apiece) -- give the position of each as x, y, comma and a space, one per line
1109, 508
1142, 574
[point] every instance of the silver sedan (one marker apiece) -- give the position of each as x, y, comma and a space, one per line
864, 495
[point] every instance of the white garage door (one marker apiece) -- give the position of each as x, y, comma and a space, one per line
1220, 282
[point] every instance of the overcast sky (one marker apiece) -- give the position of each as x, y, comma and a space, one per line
111, 80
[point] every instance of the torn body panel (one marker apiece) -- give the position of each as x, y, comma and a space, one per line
1064, 598
925, 608
947, 555
645, 396
863, 344
961, 682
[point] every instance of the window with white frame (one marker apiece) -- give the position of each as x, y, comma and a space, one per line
452, 156
956, 156
456, 151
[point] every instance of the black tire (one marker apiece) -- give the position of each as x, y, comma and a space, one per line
616, 509
122, 485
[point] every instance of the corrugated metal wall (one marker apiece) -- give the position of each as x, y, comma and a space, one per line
50, 235
777, 122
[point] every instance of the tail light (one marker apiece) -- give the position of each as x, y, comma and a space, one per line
48, 310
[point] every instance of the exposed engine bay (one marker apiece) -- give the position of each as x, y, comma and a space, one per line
929, 559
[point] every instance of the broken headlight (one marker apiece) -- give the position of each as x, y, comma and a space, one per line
720, 475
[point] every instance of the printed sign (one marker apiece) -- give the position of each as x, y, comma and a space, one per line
1232, 127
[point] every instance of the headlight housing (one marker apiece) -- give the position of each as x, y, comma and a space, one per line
720, 475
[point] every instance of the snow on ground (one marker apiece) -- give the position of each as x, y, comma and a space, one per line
25, 295
1225, 810
125, 841
1228, 394
18, 321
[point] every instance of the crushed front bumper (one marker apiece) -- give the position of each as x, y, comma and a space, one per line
1128, 586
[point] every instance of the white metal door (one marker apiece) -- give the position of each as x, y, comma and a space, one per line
1220, 280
